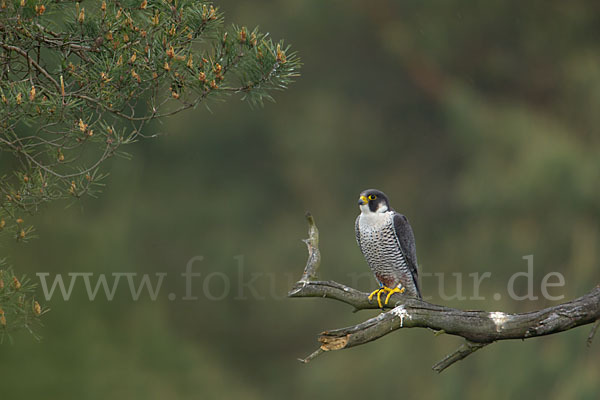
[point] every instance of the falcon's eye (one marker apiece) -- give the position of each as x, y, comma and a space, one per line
372, 197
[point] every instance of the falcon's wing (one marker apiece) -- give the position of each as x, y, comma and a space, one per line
406, 241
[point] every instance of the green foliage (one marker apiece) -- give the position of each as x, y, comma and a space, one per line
18, 307
478, 119
77, 83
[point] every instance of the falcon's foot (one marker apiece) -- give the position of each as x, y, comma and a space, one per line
389, 291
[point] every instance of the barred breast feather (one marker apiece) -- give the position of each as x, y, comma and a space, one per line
387, 242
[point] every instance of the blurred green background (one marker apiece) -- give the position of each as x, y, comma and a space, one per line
478, 119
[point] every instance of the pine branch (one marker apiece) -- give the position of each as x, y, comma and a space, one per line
87, 79
18, 308
478, 328
80, 80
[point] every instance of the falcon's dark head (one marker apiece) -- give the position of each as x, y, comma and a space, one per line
374, 201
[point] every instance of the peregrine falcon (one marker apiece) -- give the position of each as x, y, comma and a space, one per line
386, 240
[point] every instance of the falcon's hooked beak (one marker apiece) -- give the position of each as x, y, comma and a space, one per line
362, 200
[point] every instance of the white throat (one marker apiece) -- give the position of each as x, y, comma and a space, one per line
365, 210
371, 220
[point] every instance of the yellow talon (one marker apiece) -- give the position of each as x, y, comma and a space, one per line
378, 291
379, 296
392, 291
373, 294
385, 289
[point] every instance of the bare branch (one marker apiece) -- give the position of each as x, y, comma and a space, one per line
592, 333
463, 351
333, 290
314, 255
310, 357
479, 328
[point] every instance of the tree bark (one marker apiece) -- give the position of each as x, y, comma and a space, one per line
478, 328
